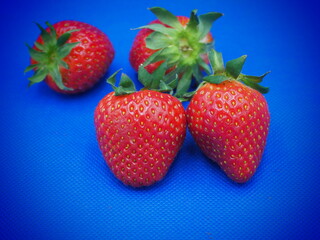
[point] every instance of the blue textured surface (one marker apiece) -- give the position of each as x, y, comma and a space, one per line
56, 185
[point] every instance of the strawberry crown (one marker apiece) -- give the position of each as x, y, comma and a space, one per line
157, 81
181, 46
49, 56
232, 70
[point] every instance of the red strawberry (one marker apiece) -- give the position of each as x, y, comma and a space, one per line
181, 41
229, 120
71, 56
139, 133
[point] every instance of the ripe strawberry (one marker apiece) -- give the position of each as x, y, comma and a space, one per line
181, 41
71, 56
139, 133
229, 120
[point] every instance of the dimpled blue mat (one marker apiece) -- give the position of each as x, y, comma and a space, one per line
56, 185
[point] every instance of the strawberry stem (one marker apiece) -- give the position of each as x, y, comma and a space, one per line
232, 71
182, 46
49, 55
157, 81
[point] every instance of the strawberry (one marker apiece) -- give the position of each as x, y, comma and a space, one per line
179, 40
230, 120
139, 133
71, 56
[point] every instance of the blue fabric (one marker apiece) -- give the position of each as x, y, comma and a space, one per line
56, 185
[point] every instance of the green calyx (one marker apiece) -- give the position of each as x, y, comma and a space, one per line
182, 47
232, 71
126, 85
157, 81
49, 56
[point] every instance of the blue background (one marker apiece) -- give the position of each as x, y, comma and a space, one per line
56, 185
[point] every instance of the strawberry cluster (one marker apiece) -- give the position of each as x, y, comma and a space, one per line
141, 132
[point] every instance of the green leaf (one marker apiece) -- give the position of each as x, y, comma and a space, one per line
73, 30
31, 67
152, 80
158, 75
174, 82
39, 46
56, 76
160, 28
163, 87
65, 49
126, 86
217, 79
144, 76
112, 79
63, 64
65, 37
157, 40
155, 57
256, 79
206, 21
253, 82
172, 76
170, 54
184, 83
166, 17
36, 55
204, 66
52, 32
173, 55
39, 76
189, 95
46, 37
255, 86
216, 61
234, 67
196, 72
193, 23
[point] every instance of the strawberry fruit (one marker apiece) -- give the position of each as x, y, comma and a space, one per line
71, 56
229, 120
181, 41
139, 133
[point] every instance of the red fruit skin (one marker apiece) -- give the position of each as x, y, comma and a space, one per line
88, 61
230, 123
140, 134
139, 52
